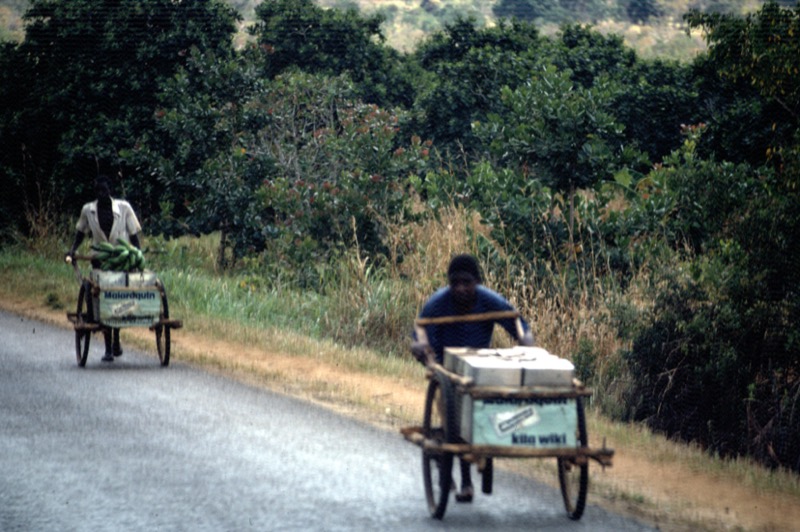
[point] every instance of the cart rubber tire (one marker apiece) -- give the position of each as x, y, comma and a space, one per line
574, 478
438, 425
487, 476
162, 332
83, 314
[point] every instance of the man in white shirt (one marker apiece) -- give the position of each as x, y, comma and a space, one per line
107, 220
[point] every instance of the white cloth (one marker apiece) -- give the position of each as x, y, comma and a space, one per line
125, 222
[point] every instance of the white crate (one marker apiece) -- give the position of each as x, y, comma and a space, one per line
453, 354
515, 366
486, 367
547, 371
490, 371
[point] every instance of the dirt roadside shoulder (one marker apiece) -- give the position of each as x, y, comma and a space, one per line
670, 496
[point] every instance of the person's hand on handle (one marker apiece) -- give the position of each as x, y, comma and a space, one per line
422, 352
527, 339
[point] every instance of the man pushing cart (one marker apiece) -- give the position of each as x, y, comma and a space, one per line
118, 291
484, 403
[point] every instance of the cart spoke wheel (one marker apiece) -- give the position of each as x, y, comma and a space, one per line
162, 343
162, 332
82, 346
437, 471
83, 315
574, 477
438, 425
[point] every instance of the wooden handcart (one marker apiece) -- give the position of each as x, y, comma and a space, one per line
109, 300
453, 400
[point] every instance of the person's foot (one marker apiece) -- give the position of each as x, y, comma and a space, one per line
108, 357
465, 495
117, 351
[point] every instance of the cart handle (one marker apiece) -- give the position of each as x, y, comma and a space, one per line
430, 359
484, 316
73, 259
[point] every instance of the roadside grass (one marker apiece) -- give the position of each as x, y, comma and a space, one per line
223, 306
637, 438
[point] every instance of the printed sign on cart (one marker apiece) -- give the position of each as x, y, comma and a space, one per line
127, 308
541, 423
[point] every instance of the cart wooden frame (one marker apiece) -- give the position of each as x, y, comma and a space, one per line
440, 442
85, 321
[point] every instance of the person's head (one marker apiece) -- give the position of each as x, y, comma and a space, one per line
102, 187
464, 275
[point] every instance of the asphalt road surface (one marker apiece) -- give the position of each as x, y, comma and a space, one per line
130, 445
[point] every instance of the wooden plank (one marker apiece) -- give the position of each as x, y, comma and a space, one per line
537, 392
604, 455
484, 316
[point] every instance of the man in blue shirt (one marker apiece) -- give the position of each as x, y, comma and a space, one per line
464, 295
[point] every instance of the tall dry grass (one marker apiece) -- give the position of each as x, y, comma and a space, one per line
580, 324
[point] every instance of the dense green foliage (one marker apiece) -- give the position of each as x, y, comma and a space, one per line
297, 33
675, 183
467, 69
83, 85
718, 359
296, 164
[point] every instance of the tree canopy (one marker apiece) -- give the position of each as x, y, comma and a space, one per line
298, 33
85, 83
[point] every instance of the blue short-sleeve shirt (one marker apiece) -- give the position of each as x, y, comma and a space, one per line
467, 334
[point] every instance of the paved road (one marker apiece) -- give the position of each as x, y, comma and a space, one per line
133, 446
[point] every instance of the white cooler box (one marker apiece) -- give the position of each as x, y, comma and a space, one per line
515, 366
545, 423
484, 366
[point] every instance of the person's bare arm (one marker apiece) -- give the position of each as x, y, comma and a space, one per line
79, 236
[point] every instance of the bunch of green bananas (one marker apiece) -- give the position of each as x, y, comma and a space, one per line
120, 257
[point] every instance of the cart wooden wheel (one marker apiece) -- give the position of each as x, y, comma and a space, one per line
573, 476
438, 426
162, 331
83, 315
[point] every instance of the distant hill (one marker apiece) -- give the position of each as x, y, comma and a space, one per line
408, 22
11, 19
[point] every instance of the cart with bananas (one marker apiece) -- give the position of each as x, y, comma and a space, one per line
119, 292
